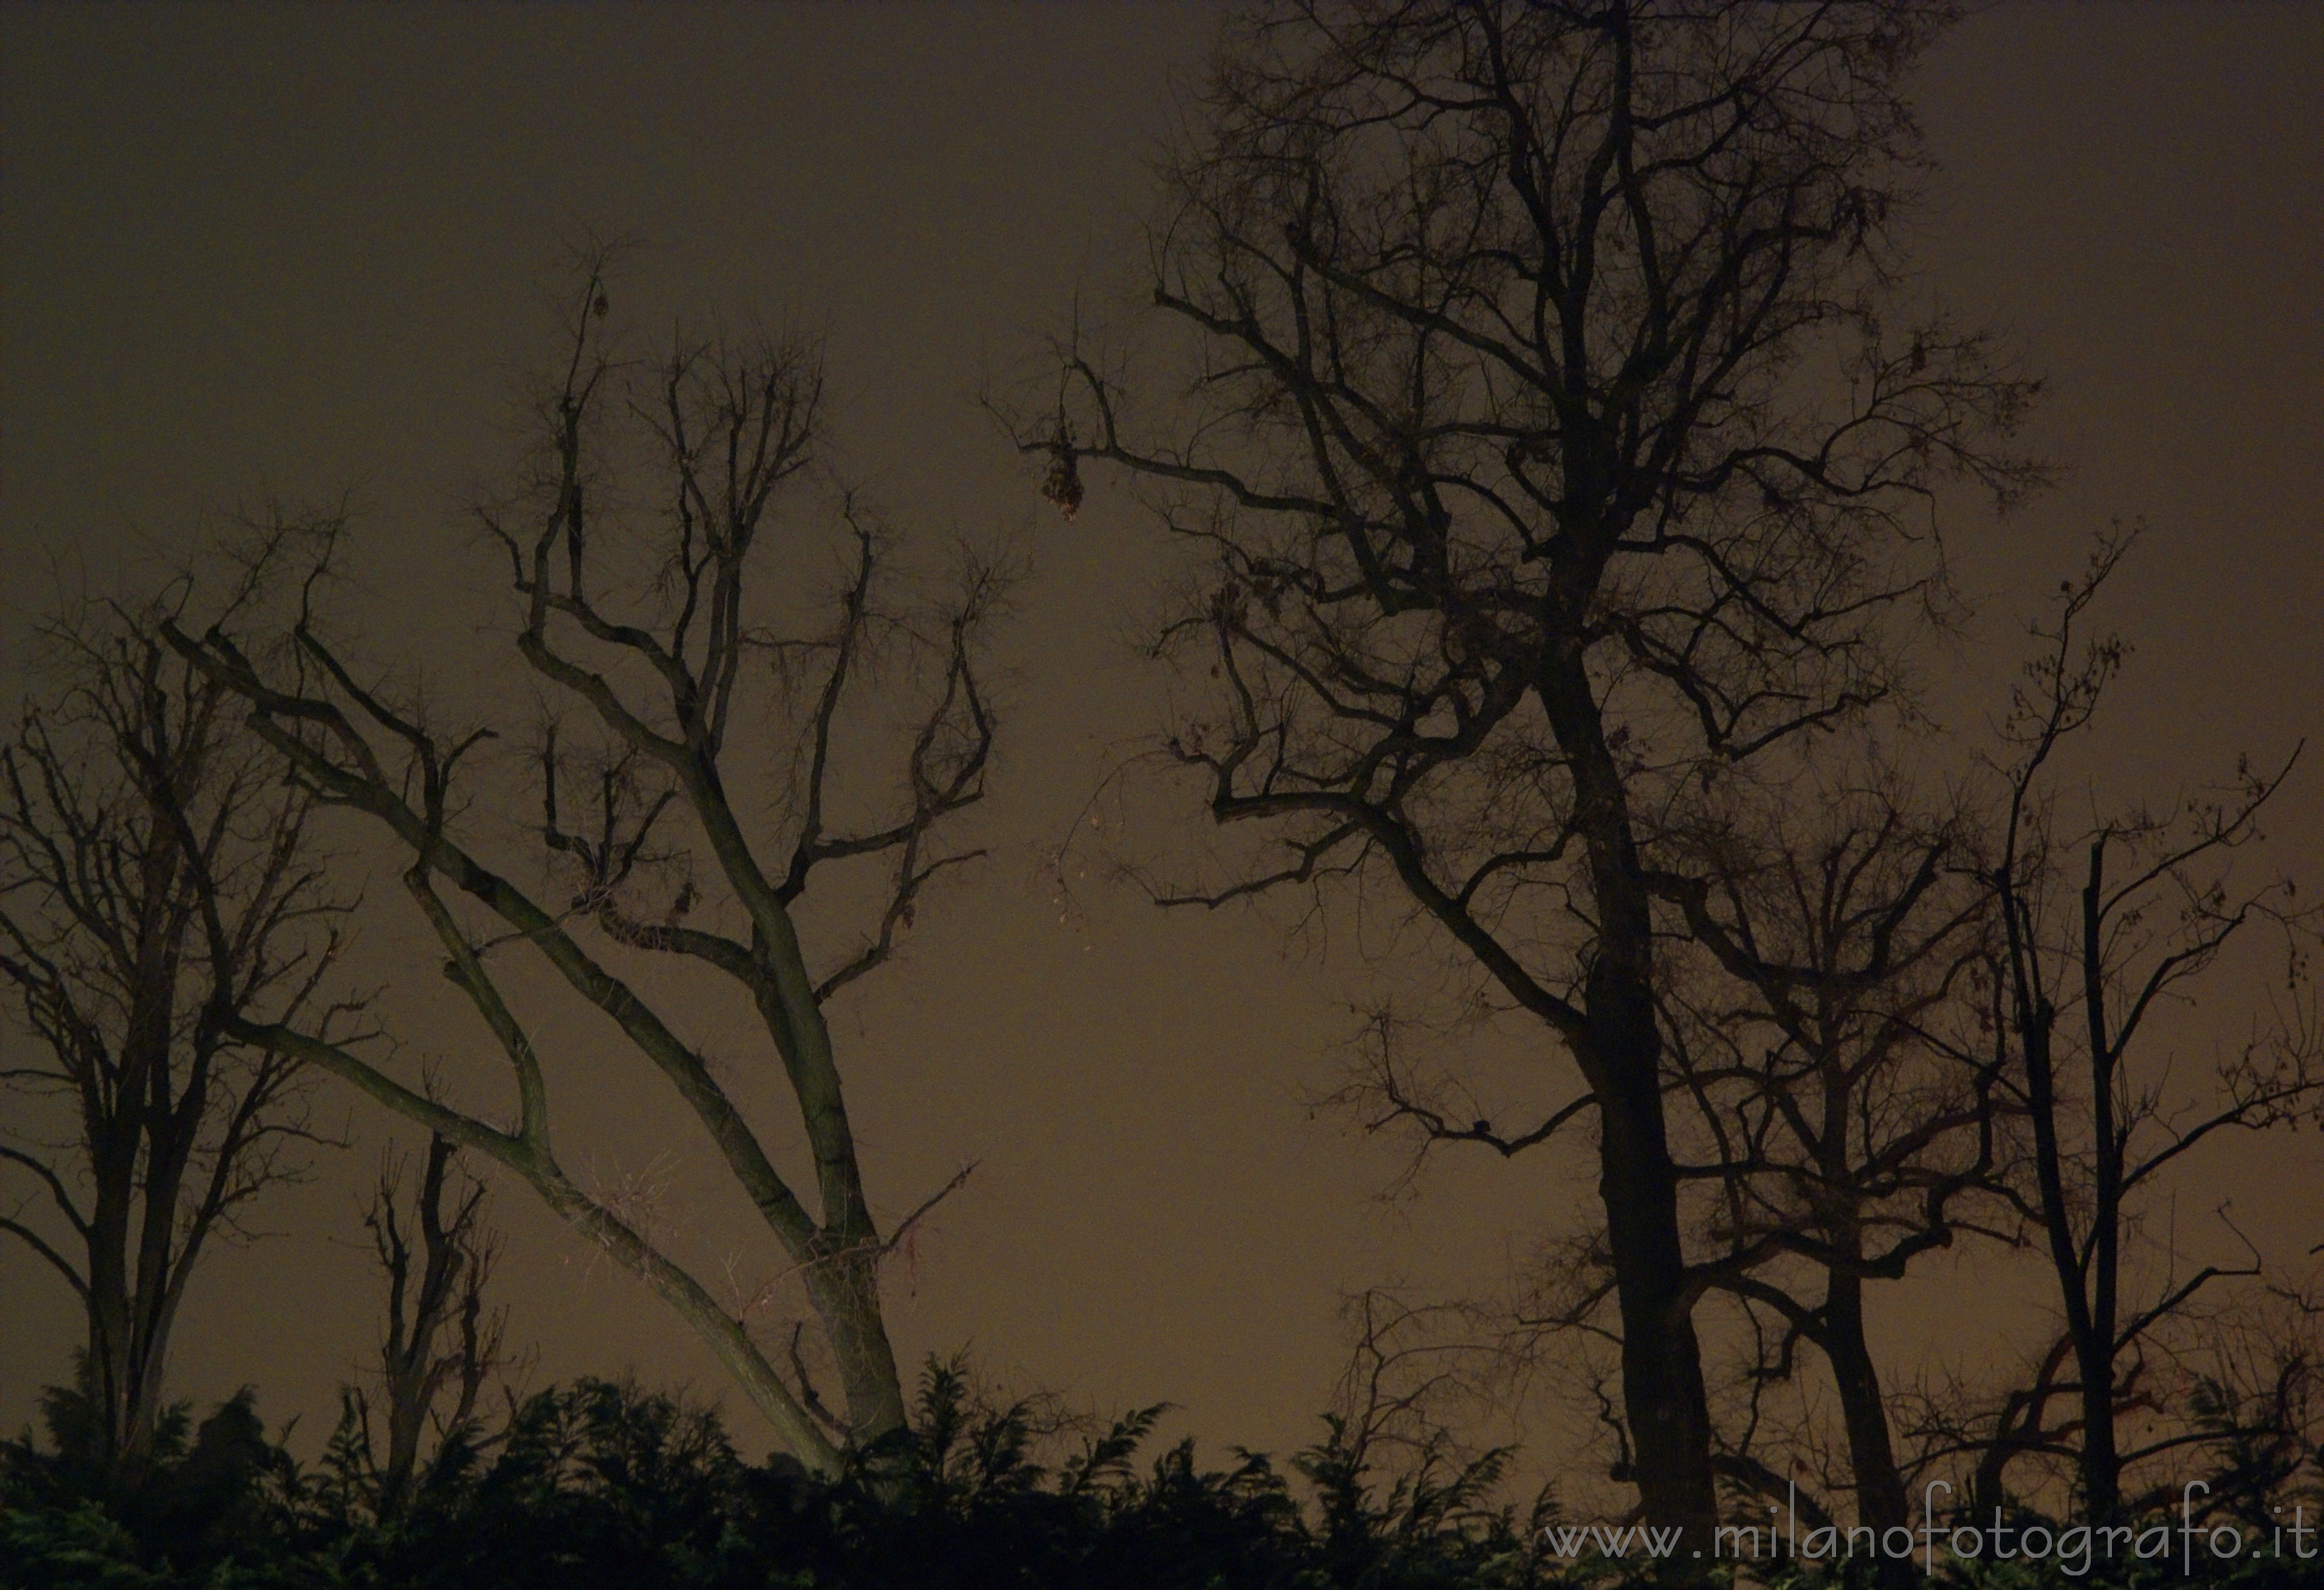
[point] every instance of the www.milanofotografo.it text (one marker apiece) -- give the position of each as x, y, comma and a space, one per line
2075, 1548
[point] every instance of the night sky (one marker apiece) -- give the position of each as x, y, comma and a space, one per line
265, 253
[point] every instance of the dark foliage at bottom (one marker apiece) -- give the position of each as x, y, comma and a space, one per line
603, 1485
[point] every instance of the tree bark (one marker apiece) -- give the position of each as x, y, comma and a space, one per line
1663, 1395
1872, 1458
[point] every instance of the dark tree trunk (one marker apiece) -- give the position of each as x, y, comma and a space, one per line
2091, 1329
1664, 1397
1872, 1458
1663, 1394
2094, 1342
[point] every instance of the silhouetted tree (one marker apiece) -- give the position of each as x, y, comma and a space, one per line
1835, 1117
157, 899
1557, 434
2106, 926
438, 1336
1844, 1122
643, 619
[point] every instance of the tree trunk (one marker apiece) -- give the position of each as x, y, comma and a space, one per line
128, 1329
2102, 1464
2099, 1465
2094, 1342
846, 1294
1872, 1458
1663, 1394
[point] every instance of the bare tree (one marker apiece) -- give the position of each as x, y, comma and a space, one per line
2106, 927
1846, 1122
1557, 434
1840, 1110
2255, 1397
157, 897
438, 1334
631, 551
1846, 1118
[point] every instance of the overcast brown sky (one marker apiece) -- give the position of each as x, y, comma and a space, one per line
299, 252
